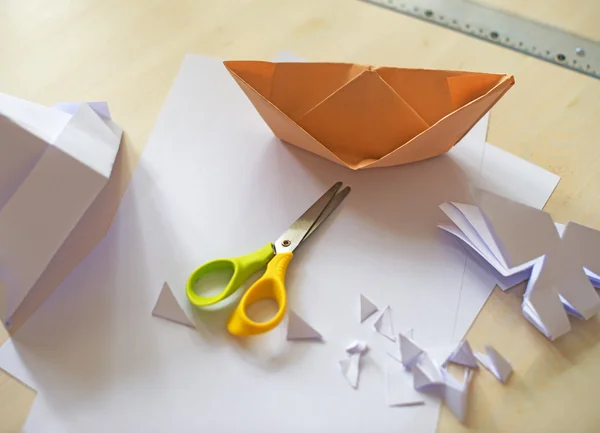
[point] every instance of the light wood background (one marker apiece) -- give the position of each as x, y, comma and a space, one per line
128, 52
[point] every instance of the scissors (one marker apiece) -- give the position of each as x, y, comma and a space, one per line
276, 256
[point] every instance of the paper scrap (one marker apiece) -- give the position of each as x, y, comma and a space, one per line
409, 351
456, 394
350, 368
495, 363
427, 375
168, 308
463, 355
298, 329
383, 324
400, 391
367, 308
357, 346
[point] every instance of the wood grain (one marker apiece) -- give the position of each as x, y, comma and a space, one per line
127, 52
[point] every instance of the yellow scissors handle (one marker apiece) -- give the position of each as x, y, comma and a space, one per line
241, 267
270, 286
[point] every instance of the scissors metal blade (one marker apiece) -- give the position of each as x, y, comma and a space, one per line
311, 219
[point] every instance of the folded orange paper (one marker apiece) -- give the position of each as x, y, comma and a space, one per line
364, 116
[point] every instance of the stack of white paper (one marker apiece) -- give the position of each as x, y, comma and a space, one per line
214, 182
515, 242
53, 164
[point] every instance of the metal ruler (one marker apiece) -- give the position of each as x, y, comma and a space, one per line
520, 34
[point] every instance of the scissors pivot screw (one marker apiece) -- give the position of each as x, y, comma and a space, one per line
286, 243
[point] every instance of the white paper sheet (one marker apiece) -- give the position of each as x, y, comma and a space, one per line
214, 182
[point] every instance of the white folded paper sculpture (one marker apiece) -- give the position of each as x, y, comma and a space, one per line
515, 242
53, 165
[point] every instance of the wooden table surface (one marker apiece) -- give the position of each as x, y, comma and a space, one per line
128, 52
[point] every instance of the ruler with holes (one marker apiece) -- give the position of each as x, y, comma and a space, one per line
528, 37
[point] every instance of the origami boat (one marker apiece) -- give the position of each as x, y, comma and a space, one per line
364, 116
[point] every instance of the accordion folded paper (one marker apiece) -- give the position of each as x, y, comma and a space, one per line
365, 116
518, 242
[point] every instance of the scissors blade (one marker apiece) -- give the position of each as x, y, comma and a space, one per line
311, 219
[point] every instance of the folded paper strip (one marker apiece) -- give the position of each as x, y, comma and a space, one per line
364, 116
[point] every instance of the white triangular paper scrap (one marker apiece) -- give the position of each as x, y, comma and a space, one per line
298, 329
456, 394
463, 355
400, 391
357, 346
367, 308
168, 308
495, 363
426, 374
409, 351
350, 369
383, 324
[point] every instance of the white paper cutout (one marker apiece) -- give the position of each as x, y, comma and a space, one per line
357, 346
463, 355
367, 308
350, 368
400, 390
426, 374
383, 324
168, 308
495, 363
561, 267
298, 329
409, 351
456, 394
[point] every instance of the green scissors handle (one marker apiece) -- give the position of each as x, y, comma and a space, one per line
243, 267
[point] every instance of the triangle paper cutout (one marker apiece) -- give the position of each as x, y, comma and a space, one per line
456, 395
463, 355
495, 363
367, 308
426, 375
409, 351
298, 329
357, 346
168, 308
383, 324
350, 369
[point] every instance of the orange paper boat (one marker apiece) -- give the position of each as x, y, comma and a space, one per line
364, 116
